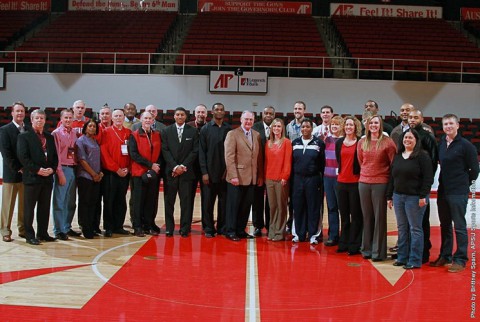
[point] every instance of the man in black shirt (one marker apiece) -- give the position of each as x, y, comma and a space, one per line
212, 165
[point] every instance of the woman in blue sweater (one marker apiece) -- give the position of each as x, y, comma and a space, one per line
410, 181
308, 168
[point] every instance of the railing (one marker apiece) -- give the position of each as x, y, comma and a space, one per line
285, 66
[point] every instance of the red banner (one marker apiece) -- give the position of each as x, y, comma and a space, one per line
26, 5
470, 13
256, 7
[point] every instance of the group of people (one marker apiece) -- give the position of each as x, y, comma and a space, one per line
295, 164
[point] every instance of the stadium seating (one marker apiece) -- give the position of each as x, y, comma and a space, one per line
14, 24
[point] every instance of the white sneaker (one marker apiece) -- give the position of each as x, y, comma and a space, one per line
313, 241
295, 239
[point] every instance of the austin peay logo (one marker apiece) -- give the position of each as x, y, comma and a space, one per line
222, 81
344, 10
245, 81
206, 6
302, 10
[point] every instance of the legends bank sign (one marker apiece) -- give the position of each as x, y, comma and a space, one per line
231, 82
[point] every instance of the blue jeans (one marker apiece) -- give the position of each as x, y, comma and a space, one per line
410, 232
453, 208
64, 198
330, 186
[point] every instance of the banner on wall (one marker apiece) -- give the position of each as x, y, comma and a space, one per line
470, 13
230, 82
123, 5
27, 5
256, 7
373, 10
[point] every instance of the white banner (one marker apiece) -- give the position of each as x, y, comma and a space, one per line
127, 5
372, 10
228, 81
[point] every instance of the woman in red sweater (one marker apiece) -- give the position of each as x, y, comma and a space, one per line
375, 154
278, 163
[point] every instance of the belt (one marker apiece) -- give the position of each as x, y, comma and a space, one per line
68, 166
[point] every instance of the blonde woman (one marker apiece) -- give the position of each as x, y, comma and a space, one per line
330, 179
278, 163
375, 154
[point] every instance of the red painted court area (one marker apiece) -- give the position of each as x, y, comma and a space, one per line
186, 279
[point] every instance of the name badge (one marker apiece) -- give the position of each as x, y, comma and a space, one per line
70, 153
124, 149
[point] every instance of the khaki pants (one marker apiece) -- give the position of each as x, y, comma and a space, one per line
277, 199
10, 191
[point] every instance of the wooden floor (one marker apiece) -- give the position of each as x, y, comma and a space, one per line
199, 279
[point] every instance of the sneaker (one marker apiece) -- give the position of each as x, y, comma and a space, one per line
456, 268
295, 239
314, 242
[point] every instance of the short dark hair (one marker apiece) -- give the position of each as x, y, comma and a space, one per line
307, 120
67, 110
84, 129
326, 106
182, 109
19, 103
218, 103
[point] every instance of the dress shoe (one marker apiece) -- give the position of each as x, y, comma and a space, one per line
341, 250
394, 256
257, 232
440, 262
61, 236
245, 236
356, 252
232, 237
88, 235
22, 236
409, 266
153, 232
156, 228
121, 231
397, 263
97, 231
393, 249
33, 241
46, 238
425, 260
183, 234
7, 238
209, 235
456, 268
331, 242
169, 233
377, 260
139, 233
73, 233
107, 233
367, 257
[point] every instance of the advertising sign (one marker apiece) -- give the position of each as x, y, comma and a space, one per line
373, 10
128, 5
30, 5
470, 13
256, 7
229, 81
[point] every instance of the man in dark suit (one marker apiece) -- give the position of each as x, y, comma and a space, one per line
244, 163
180, 150
12, 173
38, 155
260, 201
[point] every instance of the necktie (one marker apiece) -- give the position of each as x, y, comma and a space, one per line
267, 131
180, 134
21, 129
249, 137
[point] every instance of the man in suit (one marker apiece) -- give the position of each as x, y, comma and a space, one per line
12, 173
158, 127
372, 106
180, 150
260, 201
244, 163
130, 111
38, 155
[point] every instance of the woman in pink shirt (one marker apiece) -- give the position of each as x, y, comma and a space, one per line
375, 154
278, 163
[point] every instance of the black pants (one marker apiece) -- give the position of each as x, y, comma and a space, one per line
115, 202
239, 202
37, 195
144, 202
351, 217
183, 187
259, 208
211, 192
88, 195
98, 208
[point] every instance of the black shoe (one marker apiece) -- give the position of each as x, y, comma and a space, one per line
367, 257
46, 238
354, 253
245, 236
156, 228
183, 234
153, 232
139, 233
22, 236
209, 235
33, 241
341, 250
393, 249
97, 231
425, 260
377, 260
108, 233
73, 233
394, 256
169, 234
410, 266
121, 231
397, 263
232, 237
257, 232
440, 262
331, 242
61, 236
